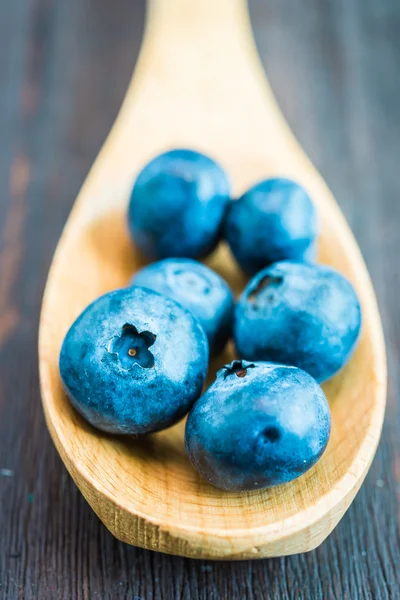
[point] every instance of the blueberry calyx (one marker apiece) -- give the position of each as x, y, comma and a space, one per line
265, 282
238, 368
132, 348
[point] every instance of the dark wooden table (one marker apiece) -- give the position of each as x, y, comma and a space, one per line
64, 67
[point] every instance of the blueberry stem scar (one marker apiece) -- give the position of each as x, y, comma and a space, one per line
132, 348
238, 368
271, 434
241, 373
267, 281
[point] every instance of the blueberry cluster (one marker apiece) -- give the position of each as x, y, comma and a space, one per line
135, 361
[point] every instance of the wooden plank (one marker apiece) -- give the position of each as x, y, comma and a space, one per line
334, 67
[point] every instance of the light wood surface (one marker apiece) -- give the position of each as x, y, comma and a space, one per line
199, 84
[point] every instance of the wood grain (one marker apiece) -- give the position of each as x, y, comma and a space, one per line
345, 112
146, 492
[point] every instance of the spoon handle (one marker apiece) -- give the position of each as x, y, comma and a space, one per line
190, 43
198, 72
191, 11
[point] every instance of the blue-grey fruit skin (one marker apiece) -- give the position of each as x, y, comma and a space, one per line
298, 314
199, 289
258, 425
134, 361
274, 220
177, 205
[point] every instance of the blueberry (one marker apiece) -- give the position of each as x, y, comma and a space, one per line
177, 205
298, 314
134, 361
197, 288
258, 425
310, 255
274, 220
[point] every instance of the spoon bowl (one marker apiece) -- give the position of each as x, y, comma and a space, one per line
199, 84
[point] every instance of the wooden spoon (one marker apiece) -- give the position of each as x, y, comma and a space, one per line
199, 84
